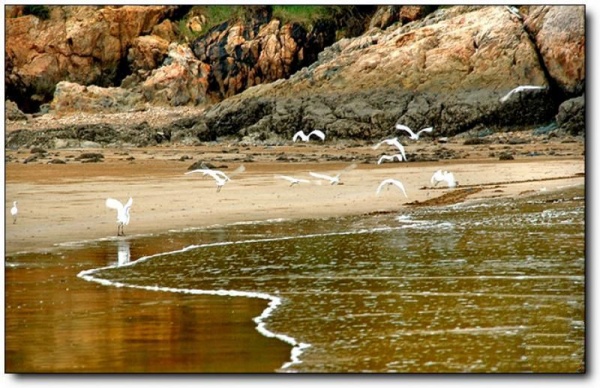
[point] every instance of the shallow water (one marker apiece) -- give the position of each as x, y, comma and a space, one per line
492, 287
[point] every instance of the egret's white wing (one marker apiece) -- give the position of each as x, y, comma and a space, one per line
384, 157
114, 204
202, 170
405, 128
429, 129
292, 179
449, 178
301, 135
317, 133
399, 185
129, 202
400, 147
321, 176
287, 178
381, 185
437, 176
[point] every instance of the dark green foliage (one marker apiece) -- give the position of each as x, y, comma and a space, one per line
41, 11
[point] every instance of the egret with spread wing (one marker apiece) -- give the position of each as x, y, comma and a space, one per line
441, 176
388, 183
294, 181
414, 136
390, 158
335, 179
304, 137
219, 176
392, 142
122, 213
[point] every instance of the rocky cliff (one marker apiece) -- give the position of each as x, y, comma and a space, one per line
264, 78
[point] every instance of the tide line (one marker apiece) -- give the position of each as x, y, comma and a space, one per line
274, 301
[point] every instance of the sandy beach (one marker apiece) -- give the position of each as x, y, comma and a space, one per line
62, 203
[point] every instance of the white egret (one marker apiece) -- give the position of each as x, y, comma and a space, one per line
219, 176
520, 89
294, 181
335, 179
14, 211
301, 135
414, 136
441, 176
390, 158
392, 142
122, 213
390, 181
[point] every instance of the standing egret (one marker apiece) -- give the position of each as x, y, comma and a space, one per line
413, 136
440, 176
388, 182
520, 89
392, 142
389, 157
301, 135
219, 176
122, 213
14, 211
294, 181
335, 179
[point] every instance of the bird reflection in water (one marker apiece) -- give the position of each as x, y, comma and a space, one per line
123, 253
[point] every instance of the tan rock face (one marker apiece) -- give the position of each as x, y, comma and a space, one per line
81, 43
480, 49
182, 82
559, 32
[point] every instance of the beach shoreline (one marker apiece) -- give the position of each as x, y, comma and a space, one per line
64, 203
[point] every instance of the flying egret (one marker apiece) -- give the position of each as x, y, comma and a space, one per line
335, 179
440, 176
392, 142
301, 135
413, 136
520, 89
390, 158
219, 176
388, 182
14, 211
294, 181
122, 213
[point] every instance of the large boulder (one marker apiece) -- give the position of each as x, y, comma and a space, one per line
571, 116
82, 44
559, 33
183, 80
71, 97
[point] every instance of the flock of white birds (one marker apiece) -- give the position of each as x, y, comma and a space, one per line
123, 210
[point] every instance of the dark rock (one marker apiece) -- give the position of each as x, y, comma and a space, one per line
571, 116
506, 156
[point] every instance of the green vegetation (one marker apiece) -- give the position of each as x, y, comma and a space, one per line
301, 14
41, 11
347, 19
